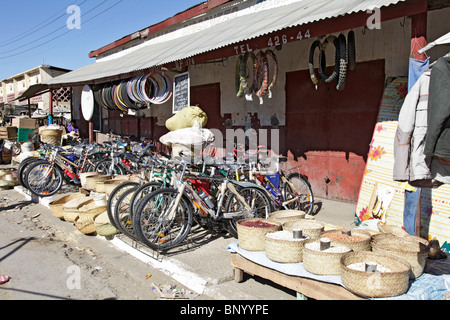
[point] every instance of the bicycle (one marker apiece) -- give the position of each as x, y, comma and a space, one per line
164, 218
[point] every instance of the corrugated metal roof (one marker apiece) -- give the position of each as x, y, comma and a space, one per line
226, 33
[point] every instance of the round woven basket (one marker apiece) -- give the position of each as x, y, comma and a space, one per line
358, 241
283, 216
378, 284
89, 211
311, 228
71, 209
56, 207
110, 185
83, 226
100, 185
384, 228
283, 250
103, 225
322, 262
412, 249
51, 136
84, 176
91, 181
253, 238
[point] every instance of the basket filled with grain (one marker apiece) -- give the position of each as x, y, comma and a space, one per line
320, 258
283, 216
375, 275
311, 228
411, 248
56, 206
285, 246
356, 240
252, 231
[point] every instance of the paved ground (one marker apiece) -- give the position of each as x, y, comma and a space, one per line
48, 258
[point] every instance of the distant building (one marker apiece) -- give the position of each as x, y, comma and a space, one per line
13, 87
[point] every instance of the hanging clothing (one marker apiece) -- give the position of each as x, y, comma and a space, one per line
410, 163
416, 68
437, 142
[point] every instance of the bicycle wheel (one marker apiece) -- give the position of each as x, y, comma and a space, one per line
153, 225
141, 192
108, 168
114, 196
303, 193
122, 215
256, 199
22, 168
44, 179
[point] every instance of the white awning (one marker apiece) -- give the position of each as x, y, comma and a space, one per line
445, 39
231, 31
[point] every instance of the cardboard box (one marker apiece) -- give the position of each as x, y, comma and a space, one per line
8, 133
24, 123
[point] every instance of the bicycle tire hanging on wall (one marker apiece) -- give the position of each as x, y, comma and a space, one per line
345, 59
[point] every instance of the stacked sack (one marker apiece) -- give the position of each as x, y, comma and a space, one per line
187, 135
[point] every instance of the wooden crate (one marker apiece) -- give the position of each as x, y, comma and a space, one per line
6, 156
8, 133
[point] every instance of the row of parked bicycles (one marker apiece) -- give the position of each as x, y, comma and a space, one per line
171, 194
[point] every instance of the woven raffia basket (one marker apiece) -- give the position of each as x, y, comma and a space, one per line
412, 249
283, 216
110, 185
100, 185
56, 207
322, 262
89, 211
51, 136
91, 181
385, 228
378, 284
284, 250
84, 176
311, 228
84, 227
71, 209
358, 241
253, 238
103, 225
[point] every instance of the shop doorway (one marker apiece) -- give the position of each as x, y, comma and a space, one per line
329, 132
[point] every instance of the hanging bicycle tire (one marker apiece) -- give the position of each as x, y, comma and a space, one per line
342, 63
260, 74
351, 50
274, 80
244, 75
322, 64
312, 73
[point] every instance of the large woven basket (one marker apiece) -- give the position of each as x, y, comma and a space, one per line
89, 211
253, 238
358, 241
56, 207
412, 249
110, 185
103, 225
311, 228
84, 176
378, 284
322, 262
283, 216
51, 136
91, 181
83, 226
284, 250
385, 228
71, 209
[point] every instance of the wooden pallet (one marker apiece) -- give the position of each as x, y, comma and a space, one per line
308, 287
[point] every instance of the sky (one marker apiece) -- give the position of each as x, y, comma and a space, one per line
43, 32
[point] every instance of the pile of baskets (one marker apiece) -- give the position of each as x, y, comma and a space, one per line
376, 266
87, 209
